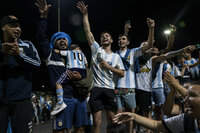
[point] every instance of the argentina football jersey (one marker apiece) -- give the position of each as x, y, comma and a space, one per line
75, 59
128, 81
194, 71
103, 78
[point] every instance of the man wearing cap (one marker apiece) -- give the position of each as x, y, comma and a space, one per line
18, 59
75, 114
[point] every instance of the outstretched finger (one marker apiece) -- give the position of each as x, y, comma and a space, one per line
48, 7
37, 5
82, 3
45, 2
79, 4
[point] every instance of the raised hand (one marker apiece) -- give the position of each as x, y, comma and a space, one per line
169, 78
43, 8
189, 49
127, 26
82, 7
123, 117
150, 23
173, 28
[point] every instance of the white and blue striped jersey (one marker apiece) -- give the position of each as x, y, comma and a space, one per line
172, 69
157, 82
194, 71
128, 81
144, 77
74, 59
104, 78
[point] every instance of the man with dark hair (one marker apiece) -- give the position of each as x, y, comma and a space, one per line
125, 86
75, 114
18, 59
105, 64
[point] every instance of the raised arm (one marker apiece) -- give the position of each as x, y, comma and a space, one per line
151, 25
43, 8
83, 9
170, 41
169, 107
172, 82
171, 54
127, 26
41, 35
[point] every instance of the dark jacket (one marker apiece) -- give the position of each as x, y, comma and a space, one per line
16, 72
55, 66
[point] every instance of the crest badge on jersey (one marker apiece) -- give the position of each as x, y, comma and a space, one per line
60, 123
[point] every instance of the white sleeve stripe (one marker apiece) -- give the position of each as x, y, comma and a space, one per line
30, 60
55, 63
62, 78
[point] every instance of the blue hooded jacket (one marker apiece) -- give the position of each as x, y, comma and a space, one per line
55, 66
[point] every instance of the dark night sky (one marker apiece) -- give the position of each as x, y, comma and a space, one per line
110, 15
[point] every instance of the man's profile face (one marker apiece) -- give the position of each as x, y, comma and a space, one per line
12, 30
193, 101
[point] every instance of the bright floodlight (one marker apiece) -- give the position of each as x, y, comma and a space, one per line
167, 32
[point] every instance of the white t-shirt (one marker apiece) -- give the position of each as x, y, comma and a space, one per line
144, 77
157, 82
104, 78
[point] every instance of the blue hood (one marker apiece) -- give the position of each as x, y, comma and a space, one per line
59, 35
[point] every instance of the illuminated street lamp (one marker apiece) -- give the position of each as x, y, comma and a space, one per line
167, 32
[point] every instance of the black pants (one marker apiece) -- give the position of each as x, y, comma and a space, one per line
20, 114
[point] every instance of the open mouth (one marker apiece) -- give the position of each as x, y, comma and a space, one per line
105, 40
62, 44
16, 34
